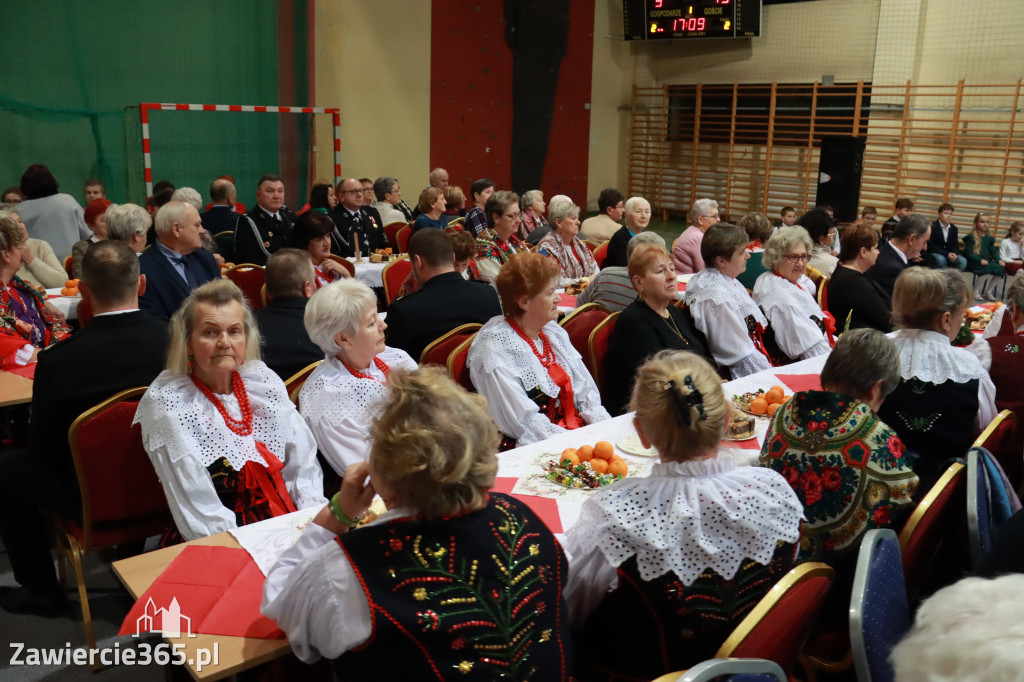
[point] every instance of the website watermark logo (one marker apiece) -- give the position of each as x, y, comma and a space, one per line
170, 620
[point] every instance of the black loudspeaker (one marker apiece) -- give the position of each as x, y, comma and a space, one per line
839, 169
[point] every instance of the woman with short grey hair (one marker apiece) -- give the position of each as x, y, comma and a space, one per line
338, 401
686, 253
786, 295
564, 245
532, 205
129, 223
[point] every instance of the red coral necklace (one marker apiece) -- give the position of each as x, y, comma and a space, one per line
243, 426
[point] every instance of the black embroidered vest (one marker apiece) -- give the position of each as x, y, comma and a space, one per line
474, 597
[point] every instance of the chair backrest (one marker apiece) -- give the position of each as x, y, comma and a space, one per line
879, 613
393, 275
823, 293
775, 629
729, 670
456, 364
456, 221
597, 346
391, 232
250, 279
600, 253
1002, 438
116, 478
437, 351
403, 237
580, 322
84, 313
344, 262
225, 242
68, 260
929, 523
295, 382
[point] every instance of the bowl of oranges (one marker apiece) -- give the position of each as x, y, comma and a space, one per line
70, 288
762, 403
588, 467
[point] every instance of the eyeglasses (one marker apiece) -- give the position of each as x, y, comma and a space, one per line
353, 191
713, 217
797, 258
513, 216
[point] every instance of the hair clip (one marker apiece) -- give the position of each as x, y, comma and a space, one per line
684, 403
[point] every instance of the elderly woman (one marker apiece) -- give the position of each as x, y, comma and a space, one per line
227, 444
650, 324
54, 217
944, 397
498, 243
665, 566
686, 252
455, 201
312, 232
532, 206
854, 299
26, 323
846, 466
38, 264
432, 206
388, 194
638, 216
524, 364
128, 223
822, 230
983, 258
96, 219
786, 295
573, 256
339, 399
400, 598
721, 307
759, 230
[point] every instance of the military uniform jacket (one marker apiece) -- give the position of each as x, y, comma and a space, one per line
258, 234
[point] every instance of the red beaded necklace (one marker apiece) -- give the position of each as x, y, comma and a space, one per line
547, 358
243, 426
381, 365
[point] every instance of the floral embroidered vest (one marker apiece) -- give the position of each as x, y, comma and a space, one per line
474, 597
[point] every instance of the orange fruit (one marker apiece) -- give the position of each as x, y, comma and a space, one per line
778, 388
617, 466
773, 408
604, 450
568, 453
573, 458
773, 396
600, 466
758, 405
69, 283
586, 453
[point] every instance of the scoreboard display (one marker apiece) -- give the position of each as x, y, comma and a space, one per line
686, 19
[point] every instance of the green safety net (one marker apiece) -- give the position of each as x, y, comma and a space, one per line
72, 76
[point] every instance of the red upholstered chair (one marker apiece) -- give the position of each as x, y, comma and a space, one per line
84, 313
122, 500
403, 237
437, 351
775, 629
823, 293
296, 381
68, 266
930, 524
580, 322
600, 253
591, 245
391, 232
455, 224
1003, 439
456, 364
250, 279
597, 346
393, 275
345, 263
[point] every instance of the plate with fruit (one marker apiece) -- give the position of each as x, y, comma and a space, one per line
588, 467
761, 403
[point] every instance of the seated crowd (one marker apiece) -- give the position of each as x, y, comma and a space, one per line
665, 565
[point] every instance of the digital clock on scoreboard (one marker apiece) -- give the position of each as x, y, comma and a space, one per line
681, 19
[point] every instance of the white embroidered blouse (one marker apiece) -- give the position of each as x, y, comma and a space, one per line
789, 308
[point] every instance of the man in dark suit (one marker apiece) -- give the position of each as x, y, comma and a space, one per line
355, 222
265, 228
286, 345
908, 240
176, 263
221, 217
944, 242
444, 301
121, 348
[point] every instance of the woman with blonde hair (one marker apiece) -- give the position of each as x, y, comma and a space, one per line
983, 258
227, 444
450, 578
666, 566
944, 397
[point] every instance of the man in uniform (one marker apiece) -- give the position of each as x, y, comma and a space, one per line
355, 222
265, 228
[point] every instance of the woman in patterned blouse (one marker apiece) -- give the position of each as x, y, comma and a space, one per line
498, 242
563, 244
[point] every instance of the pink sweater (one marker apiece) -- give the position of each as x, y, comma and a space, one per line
686, 252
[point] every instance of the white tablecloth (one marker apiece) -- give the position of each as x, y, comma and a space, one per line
65, 304
371, 274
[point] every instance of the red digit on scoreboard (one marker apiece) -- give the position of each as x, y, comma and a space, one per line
658, 3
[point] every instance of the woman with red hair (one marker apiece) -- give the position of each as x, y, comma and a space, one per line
95, 218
